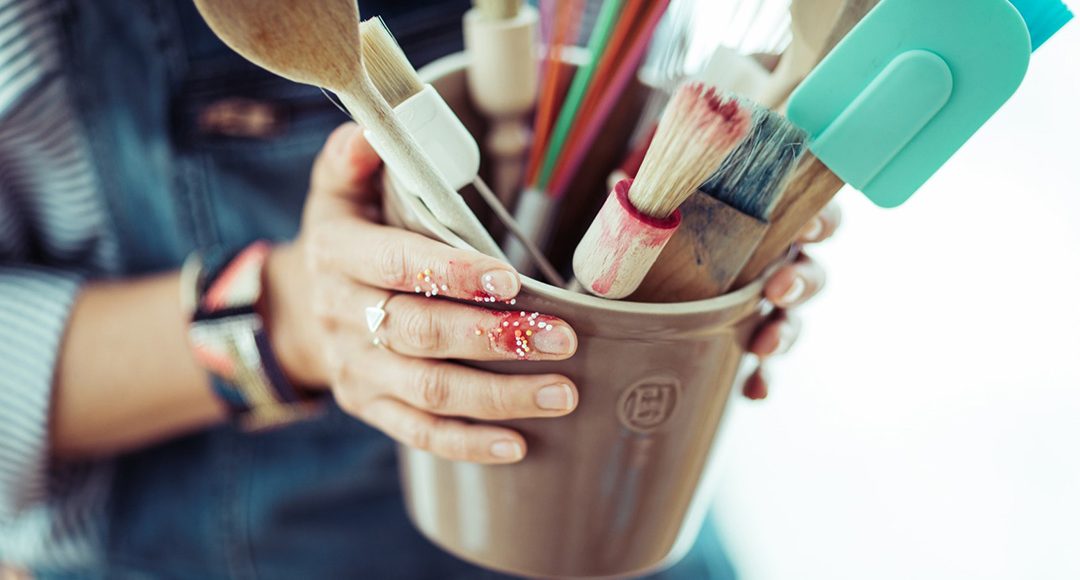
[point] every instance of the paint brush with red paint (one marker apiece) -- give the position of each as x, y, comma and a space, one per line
698, 130
724, 222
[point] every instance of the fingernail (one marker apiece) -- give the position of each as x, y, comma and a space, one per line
506, 450
786, 339
555, 398
798, 286
558, 340
813, 230
500, 284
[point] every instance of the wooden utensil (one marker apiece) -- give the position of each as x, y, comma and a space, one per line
319, 43
726, 220
811, 23
697, 132
813, 186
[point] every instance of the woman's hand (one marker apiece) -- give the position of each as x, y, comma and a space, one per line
343, 263
789, 287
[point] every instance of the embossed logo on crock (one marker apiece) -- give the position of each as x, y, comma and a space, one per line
649, 404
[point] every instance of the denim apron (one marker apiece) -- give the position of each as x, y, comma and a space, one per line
198, 148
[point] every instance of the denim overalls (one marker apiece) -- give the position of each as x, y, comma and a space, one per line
197, 148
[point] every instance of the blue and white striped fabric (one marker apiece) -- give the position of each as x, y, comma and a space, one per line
53, 233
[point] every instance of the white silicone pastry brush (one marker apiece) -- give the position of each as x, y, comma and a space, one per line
437, 129
320, 44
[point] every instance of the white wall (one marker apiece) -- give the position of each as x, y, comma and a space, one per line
928, 424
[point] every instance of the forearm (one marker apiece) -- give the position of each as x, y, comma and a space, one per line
126, 377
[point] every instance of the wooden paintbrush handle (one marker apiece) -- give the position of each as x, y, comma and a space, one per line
703, 258
508, 144
808, 193
621, 246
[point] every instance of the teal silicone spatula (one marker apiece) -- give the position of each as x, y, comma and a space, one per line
913, 82
871, 89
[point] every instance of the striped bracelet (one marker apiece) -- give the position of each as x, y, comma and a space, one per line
228, 337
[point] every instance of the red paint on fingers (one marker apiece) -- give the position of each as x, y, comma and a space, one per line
514, 331
429, 283
485, 298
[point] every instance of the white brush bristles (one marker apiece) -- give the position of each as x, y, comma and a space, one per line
387, 65
700, 127
498, 9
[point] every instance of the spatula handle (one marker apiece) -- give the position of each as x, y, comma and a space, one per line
808, 193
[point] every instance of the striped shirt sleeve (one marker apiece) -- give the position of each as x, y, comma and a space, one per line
53, 227
34, 307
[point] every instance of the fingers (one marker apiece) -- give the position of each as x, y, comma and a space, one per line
395, 259
756, 387
346, 163
447, 438
795, 283
823, 226
450, 389
423, 328
776, 335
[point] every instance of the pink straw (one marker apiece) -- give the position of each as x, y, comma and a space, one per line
547, 18
577, 153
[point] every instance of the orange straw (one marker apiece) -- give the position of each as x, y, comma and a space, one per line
586, 129
629, 20
566, 27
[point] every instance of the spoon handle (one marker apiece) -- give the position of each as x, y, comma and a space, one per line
405, 157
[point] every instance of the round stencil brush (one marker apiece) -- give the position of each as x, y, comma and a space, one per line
724, 222
698, 130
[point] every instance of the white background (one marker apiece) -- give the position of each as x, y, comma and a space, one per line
927, 425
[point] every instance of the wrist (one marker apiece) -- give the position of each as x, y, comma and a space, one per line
292, 330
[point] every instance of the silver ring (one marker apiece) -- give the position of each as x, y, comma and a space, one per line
376, 315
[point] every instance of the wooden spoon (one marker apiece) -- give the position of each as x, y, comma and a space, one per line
319, 43
811, 21
816, 28
851, 15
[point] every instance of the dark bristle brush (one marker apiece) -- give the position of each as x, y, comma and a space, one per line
727, 218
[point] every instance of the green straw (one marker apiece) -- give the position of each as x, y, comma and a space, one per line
597, 43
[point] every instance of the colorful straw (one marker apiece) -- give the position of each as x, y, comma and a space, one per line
587, 132
566, 27
598, 42
628, 20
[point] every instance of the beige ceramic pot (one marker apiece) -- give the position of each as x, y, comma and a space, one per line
619, 487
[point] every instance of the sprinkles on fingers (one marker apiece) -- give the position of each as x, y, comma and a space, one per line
427, 286
517, 332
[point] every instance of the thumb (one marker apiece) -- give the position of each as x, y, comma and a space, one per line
346, 166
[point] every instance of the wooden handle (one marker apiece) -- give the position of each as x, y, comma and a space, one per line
851, 15
704, 257
403, 155
504, 72
508, 145
808, 193
621, 246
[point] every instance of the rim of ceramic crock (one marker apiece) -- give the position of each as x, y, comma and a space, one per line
456, 63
